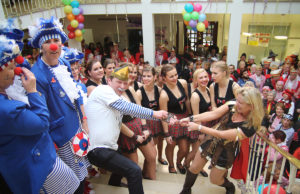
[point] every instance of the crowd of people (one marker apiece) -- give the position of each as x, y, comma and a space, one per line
120, 103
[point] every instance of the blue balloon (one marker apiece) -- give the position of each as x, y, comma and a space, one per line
194, 29
260, 189
189, 7
76, 11
75, 4
202, 17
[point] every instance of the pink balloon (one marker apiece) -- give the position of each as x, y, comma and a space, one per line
197, 7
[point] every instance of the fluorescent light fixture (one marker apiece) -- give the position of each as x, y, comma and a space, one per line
281, 37
247, 34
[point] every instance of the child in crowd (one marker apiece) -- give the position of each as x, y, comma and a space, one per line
286, 126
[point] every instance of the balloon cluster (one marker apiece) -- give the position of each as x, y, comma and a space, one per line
74, 15
193, 19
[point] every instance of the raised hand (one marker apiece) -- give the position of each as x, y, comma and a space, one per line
28, 80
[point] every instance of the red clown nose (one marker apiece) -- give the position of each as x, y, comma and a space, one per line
53, 47
18, 71
19, 59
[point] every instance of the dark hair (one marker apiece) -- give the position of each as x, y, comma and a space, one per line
164, 62
107, 62
149, 69
141, 56
279, 135
165, 69
89, 66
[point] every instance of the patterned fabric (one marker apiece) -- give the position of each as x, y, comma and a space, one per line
155, 127
132, 109
61, 179
127, 144
77, 164
176, 130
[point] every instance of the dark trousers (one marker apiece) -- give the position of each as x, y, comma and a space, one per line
118, 164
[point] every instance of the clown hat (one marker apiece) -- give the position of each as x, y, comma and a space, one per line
70, 54
9, 49
293, 70
46, 30
251, 57
272, 54
288, 116
266, 88
9, 29
121, 73
276, 72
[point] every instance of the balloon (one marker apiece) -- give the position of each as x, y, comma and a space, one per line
200, 27
197, 7
195, 15
79, 38
80, 18
189, 27
66, 2
75, 4
183, 12
193, 23
260, 188
205, 23
189, 7
70, 16
83, 31
186, 22
187, 17
70, 28
78, 33
74, 23
194, 29
71, 35
80, 26
273, 189
75, 11
202, 17
67, 9
81, 10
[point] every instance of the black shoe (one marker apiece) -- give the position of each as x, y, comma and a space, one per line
181, 168
172, 170
229, 186
203, 173
162, 161
189, 181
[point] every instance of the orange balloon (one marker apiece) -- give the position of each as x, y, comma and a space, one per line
78, 33
186, 22
70, 16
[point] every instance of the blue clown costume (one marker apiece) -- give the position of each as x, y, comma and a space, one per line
62, 96
73, 56
28, 161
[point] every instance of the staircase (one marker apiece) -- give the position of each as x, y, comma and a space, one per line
166, 183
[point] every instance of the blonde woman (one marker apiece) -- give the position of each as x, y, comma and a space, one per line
200, 103
223, 89
133, 75
240, 119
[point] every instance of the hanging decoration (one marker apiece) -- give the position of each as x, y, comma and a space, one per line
74, 13
192, 17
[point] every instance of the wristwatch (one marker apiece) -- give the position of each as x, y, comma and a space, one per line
191, 118
199, 127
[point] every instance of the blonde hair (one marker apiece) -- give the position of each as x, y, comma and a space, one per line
252, 97
197, 72
222, 66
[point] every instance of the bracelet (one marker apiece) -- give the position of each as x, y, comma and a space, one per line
191, 118
144, 127
84, 118
199, 127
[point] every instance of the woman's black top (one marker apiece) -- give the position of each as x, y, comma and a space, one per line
135, 86
153, 104
174, 103
90, 83
203, 105
104, 81
229, 94
190, 90
128, 118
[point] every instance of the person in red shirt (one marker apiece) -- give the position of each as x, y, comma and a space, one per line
116, 51
160, 55
138, 54
128, 57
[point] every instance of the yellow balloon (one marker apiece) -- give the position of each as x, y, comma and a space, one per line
74, 23
68, 9
79, 38
200, 27
183, 12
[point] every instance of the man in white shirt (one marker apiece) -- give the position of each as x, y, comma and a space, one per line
104, 111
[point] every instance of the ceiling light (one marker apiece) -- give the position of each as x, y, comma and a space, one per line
281, 37
247, 34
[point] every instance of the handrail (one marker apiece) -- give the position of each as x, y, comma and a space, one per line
287, 155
